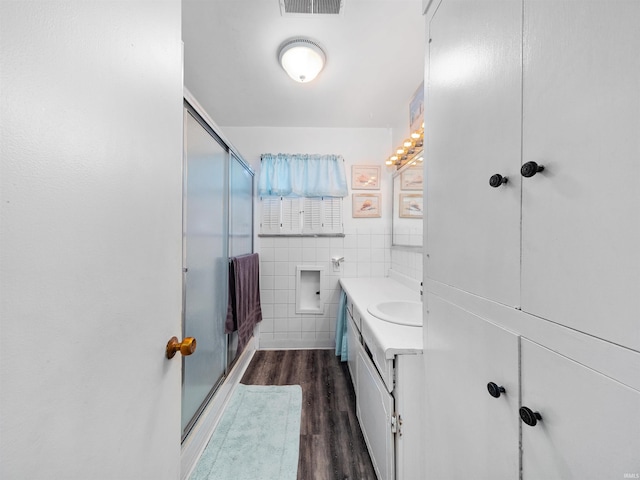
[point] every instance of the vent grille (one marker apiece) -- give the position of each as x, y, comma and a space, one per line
311, 7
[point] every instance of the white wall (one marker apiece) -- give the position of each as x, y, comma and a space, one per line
366, 245
90, 233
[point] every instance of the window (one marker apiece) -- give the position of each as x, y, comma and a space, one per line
301, 216
301, 194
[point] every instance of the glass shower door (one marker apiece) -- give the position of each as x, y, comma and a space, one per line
205, 250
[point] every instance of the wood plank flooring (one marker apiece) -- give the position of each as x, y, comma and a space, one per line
331, 443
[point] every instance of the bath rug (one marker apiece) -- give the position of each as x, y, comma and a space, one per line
257, 438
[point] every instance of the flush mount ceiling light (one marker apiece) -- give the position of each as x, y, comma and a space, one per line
301, 58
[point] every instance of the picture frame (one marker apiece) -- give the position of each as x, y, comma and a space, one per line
416, 109
412, 178
411, 205
365, 177
366, 205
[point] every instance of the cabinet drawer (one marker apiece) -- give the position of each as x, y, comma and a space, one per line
383, 365
357, 318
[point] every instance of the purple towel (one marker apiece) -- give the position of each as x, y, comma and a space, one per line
244, 312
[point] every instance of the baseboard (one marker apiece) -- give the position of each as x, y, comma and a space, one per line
197, 440
296, 344
298, 348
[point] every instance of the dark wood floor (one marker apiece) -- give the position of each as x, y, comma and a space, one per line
331, 442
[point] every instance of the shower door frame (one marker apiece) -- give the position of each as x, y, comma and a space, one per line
191, 108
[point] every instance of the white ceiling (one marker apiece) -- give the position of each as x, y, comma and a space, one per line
375, 58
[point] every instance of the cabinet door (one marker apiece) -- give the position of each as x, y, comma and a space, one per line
469, 433
473, 132
580, 221
353, 342
589, 427
374, 408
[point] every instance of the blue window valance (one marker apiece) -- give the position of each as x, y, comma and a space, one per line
302, 175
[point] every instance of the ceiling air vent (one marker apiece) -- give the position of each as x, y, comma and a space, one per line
311, 7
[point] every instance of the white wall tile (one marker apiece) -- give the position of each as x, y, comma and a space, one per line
266, 325
280, 325
280, 311
364, 270
295, 254
281, 282
294, 325
282, 268
267, 283
295, 242
267, 310
308, 254
281, 254
280, 296
267, 254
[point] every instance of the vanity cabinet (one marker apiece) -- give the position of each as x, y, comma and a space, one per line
387, 369
532, 261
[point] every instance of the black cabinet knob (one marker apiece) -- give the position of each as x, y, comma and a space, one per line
494, 390
496, 180
529, 417
529, 169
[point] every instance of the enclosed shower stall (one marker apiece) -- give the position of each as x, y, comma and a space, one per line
217, 223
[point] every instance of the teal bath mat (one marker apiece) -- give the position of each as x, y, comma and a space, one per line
258, 437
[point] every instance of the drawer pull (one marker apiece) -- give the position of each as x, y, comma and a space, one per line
495, 390
529, 417
529, 169
496, 180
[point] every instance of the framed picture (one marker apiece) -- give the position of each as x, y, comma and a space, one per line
411, 205
366, 205
365, 177
416, 109
412, 179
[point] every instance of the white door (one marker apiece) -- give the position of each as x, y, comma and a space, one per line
473, 132
469, 432
90, 233
580, 221
589, 423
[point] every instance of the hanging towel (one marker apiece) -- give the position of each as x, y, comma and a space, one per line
341, 328
243, 311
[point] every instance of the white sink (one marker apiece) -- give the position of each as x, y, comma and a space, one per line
400, 312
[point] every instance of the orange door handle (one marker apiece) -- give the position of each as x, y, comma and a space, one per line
186, 347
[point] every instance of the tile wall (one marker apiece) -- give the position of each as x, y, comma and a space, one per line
408, 263
366, 253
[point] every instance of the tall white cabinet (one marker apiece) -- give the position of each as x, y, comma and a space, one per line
532, 260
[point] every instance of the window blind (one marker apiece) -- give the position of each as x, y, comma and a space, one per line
301, 216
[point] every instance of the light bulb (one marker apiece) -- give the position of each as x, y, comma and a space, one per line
302, 59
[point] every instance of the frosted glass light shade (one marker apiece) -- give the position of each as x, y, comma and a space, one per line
302, 59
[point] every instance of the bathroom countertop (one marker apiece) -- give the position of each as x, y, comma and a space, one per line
392, 338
